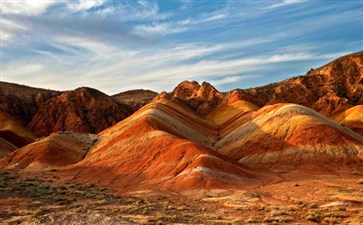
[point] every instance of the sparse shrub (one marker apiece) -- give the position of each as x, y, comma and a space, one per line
40, 211
314, 218
237, 222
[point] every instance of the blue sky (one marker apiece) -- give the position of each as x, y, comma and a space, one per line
128, 44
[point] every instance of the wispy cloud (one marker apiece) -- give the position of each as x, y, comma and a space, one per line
157, 29
82, 5
285, 3
91, 45
231, 79
29, 7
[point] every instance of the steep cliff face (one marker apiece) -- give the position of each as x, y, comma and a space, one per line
81, 110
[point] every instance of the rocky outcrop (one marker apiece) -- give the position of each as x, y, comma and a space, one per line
201, 98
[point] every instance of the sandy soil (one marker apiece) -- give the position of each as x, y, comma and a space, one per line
47, 199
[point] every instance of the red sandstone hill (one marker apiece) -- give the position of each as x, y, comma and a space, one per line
13, 135
164, 145
329, 89
82, 110
288, 136
56, 150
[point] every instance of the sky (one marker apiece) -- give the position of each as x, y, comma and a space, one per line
118, 45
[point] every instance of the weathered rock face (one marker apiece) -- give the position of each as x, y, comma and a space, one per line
135, 99
329, 89
201, 98
81, 110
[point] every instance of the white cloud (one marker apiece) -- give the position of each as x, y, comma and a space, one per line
25, 7
21, 71
85, 43
9, 29
214, 17
143, 10
84, 5
229, 80
157, 29
285, 3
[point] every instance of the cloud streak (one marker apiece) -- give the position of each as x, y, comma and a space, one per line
285, 3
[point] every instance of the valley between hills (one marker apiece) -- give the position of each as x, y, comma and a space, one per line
286, 153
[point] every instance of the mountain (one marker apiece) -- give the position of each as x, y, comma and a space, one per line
56, 150
135, 99
81, 110
13, 135
329, 89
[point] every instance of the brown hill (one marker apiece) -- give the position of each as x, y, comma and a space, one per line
56, 150
135, 99
13, 135
82, 110
21, 102
329, 89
